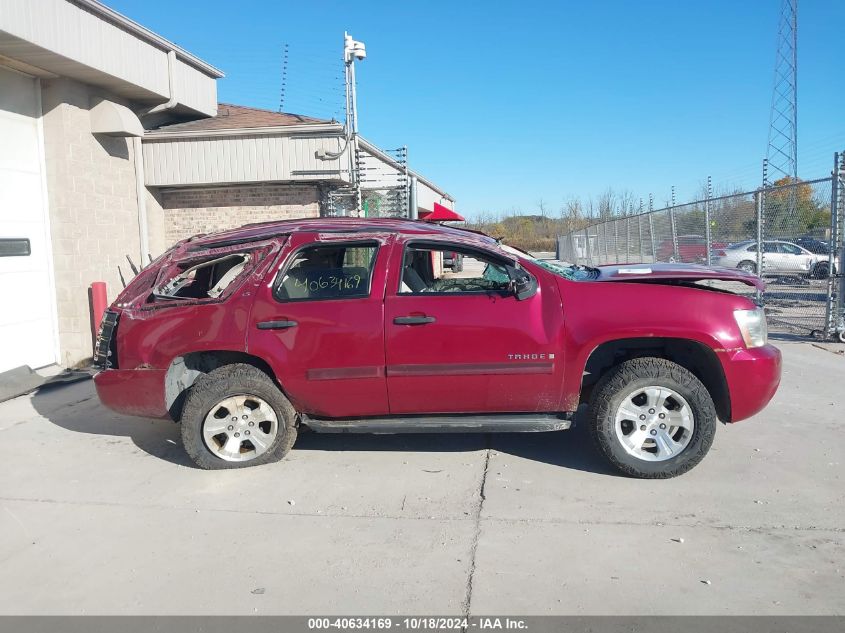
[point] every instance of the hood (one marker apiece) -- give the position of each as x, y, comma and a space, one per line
676, 272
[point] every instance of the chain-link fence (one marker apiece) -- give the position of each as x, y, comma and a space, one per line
791, 235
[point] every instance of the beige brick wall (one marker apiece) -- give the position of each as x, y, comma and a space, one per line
93, 208
187, 212
156, 223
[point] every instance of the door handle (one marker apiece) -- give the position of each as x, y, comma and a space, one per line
413, 320
276, 325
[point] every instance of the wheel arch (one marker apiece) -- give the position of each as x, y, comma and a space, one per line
185, 369
693, 355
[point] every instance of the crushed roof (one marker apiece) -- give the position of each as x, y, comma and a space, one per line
237, 117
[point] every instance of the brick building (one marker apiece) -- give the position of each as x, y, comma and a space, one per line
112, 144
249, 165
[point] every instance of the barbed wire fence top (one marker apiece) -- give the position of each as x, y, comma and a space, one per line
790, 234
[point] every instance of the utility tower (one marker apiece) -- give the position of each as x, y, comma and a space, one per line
782, 149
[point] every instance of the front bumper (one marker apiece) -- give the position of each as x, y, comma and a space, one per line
137, 392
753, 376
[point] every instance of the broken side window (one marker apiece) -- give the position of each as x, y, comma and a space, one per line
204, 280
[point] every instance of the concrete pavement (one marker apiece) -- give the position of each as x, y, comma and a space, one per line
102, 514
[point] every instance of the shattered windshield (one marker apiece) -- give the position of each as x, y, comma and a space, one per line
572, 273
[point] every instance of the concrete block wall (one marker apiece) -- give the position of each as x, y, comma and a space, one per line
93, 208
187, 212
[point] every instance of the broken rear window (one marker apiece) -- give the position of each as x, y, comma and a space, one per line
206, 279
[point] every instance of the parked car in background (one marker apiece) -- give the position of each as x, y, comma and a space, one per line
692, 249
819, 247
349, 325
779, 257
453, 260
822, 249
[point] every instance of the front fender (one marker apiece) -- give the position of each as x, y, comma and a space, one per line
599, 313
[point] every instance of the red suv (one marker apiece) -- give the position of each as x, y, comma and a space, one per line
355, 325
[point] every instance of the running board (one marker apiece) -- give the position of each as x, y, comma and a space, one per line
490, 423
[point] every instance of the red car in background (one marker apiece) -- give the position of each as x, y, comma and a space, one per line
692, 249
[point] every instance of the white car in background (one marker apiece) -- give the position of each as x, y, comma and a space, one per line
779, 258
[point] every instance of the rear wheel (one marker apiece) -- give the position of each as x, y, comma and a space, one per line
748, 266
652, 418
235, 416
822, 270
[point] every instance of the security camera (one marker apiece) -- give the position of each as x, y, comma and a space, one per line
353, 48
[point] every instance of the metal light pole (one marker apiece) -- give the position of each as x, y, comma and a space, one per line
352, 51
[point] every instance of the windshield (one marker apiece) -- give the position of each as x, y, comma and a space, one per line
573, 273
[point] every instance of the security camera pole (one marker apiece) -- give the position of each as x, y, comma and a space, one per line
352, 51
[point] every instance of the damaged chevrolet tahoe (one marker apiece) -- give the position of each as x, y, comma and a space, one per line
249, 336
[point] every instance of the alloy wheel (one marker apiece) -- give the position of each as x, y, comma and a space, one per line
654, 423
240, 428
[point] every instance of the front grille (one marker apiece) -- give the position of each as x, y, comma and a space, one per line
105, 349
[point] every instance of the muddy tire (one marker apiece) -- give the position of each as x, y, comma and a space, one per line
236, 416
652, 418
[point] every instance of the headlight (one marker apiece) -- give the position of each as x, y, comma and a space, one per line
752, 325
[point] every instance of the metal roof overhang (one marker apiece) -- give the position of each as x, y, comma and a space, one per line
86, 41
194, 148
29, 57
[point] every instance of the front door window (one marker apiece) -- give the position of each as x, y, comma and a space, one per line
427, 270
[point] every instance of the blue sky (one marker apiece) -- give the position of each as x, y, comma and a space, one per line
506, 103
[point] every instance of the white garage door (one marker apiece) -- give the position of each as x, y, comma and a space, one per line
27, 299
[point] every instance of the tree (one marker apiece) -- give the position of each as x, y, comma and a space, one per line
791, 209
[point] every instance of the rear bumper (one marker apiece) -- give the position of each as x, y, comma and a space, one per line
753, 376
137, 392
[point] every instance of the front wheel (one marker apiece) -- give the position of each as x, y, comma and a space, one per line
748, 266
822, 270
236, 416
652, 418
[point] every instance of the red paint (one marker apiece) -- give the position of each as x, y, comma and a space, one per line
483, 352
684, 272
753, 375
330, 334
472, 331
133, 391
99, 303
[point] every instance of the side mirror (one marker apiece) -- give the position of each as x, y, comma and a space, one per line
521, 284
